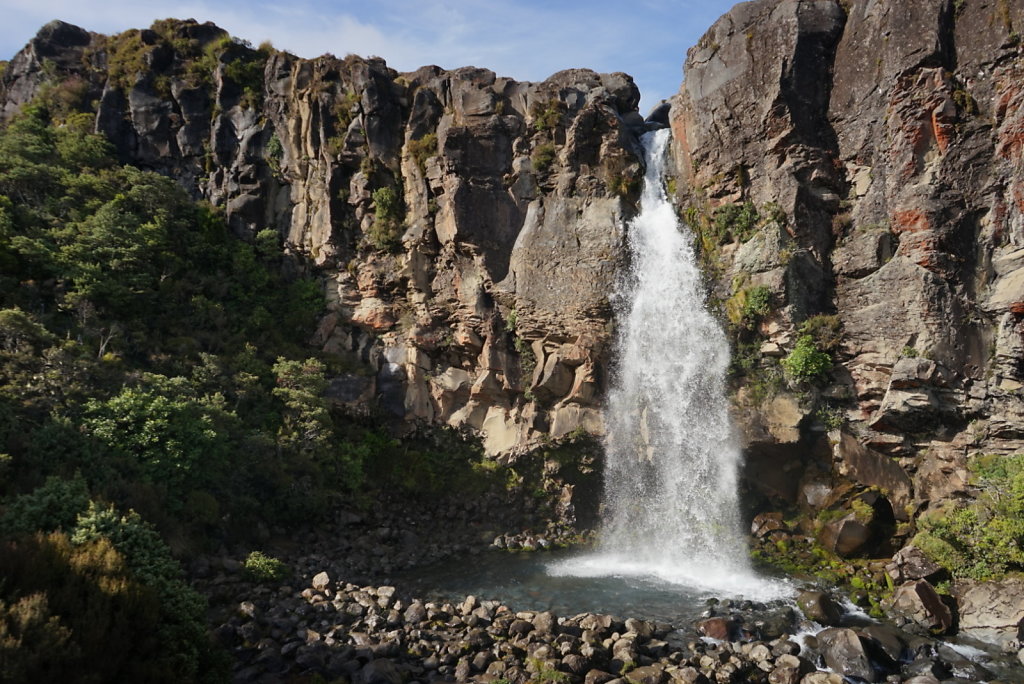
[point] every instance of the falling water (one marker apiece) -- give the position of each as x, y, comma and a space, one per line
670, 495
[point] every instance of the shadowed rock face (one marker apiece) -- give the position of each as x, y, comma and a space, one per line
890, 135
501, 238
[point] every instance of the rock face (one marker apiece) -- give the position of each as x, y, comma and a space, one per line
468, 228
880, 144
993, 611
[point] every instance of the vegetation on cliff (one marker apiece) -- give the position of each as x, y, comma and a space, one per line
154, 384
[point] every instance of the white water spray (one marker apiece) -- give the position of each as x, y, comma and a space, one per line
670, 494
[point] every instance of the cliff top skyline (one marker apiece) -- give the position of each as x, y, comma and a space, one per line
526, 40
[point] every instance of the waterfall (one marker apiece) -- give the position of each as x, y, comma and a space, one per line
671, 463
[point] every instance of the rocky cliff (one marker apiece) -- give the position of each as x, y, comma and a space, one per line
876, 149
852, 171
468, 228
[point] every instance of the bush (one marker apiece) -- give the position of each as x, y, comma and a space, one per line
387, 204
423, 149
547, 115
735, 221
543, 157
53, 506
983, 539
181, 627
274, 152
758, 304
262, 568
806, 361
827, 331
109, 625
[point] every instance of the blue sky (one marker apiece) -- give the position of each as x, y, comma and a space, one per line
523, 39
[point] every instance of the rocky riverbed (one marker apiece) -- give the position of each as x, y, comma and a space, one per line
340, 631
338, 617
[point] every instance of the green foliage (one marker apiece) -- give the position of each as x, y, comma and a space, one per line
111, 622
527, 358
827, 331
245, 68
389, 214
423, 149
909, 353
759, 302
547, 115
274, 152
53, 506
749, 305
773, 213
832, 417
624, 186
543, 156
982, 539
128, 57
737, 222
807, 362
20, 332
260, 567
171, 439
344, 110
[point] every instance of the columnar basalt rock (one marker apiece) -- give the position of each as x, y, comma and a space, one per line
468, 228
889, 136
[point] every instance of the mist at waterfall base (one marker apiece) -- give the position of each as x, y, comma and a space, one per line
671, 508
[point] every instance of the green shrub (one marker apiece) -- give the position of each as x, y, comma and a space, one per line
982, 539
263, 568
735, 221
758, 304
111, 623
423, 149
827, 331
53, 506
384, 233
543, 157
547, 115
274, 152
806, 362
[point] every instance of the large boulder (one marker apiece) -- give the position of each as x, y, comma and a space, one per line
992, 611
845, 654
918, 602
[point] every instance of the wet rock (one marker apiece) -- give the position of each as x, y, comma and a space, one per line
649, 674
598, 677
819, 606
788, 670
766, 523
889, 640
415, 613
380, 672
545, 623
520, 627
822, 678
844, 653
716, 628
